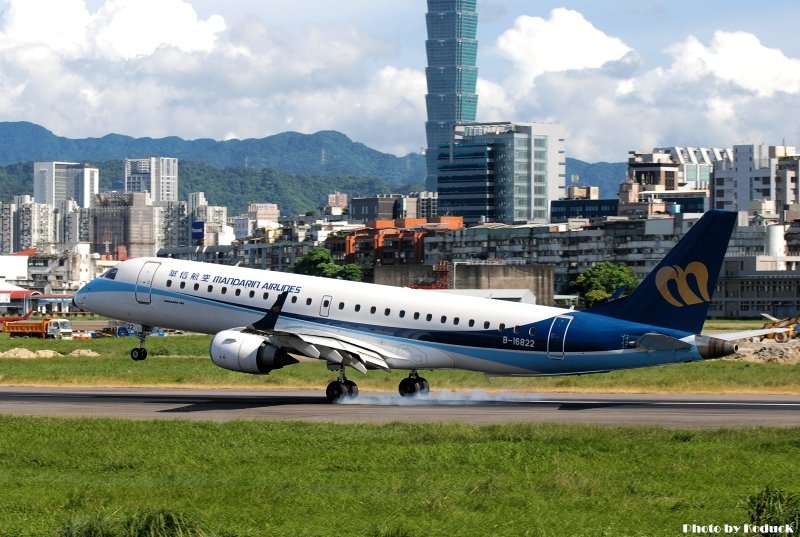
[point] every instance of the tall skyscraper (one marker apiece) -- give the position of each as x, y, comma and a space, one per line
156, 175
54, 182
452, 74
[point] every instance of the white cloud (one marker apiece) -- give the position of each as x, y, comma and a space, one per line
126, 29
157, 68
738, 58
566, 41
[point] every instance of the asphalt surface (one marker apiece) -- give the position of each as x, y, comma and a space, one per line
438, 407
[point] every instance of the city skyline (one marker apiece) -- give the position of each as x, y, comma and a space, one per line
617, 75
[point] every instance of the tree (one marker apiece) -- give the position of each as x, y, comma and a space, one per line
319, 262
599, 282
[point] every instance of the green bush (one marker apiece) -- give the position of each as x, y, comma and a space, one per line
89, 526
773, 507
162, 523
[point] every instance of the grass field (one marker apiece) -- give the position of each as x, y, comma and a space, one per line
294, 479
183, 361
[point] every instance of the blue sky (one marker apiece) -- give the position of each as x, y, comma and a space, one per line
618, 74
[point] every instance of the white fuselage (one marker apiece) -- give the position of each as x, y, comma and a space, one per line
426, 329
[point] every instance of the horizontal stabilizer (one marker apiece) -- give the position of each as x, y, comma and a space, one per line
733, 336
659, 342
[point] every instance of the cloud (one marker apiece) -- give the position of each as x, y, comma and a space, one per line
155, 68
566, 41
730, 90
740, 59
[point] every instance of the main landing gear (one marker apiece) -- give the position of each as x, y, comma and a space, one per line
140, 353
413, 384
340, 388
343, 387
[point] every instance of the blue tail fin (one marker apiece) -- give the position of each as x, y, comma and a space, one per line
677, 293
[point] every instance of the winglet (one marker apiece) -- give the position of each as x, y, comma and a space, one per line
268, 321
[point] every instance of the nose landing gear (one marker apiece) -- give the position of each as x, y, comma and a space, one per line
140, 353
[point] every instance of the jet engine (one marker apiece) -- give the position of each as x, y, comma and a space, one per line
247, 353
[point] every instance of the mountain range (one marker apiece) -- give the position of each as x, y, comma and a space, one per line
292, 169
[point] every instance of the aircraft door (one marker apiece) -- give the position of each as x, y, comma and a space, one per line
144, 283
325, 305
556, 339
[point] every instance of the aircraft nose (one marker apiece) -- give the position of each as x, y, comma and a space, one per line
79, 300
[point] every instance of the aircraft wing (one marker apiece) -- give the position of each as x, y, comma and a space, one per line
333, 348
733, 336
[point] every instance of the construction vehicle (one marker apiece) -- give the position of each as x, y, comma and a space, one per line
50, 328
789, 324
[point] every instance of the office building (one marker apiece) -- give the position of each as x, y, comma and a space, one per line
502, 172
156, 175
54, 182
122, 225
757, 173
451, 74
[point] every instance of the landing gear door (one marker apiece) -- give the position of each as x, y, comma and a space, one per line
556, 339
144, 283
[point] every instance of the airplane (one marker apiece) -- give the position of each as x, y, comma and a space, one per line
261, 320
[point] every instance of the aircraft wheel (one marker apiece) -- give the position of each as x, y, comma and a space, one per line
336, 390
407, 387
421, 386
139, 353
352, 388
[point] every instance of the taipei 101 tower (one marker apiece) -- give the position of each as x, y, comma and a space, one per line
451, 74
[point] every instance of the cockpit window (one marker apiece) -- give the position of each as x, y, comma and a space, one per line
110, 273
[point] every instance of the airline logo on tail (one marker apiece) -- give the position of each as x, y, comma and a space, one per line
687, 296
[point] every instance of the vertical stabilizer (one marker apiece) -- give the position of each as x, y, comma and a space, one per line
677, 293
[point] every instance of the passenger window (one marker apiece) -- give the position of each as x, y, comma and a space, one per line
210, 288
373, 309
266, 296
341, 305
326, 303
402, 313
308, 302
416, 315
252, 294
294, 299
387, 311
516, 329
358, 307
183, 284
224, 290
444, 319
501, 327
238, 292
471, 323
196, 286
531, 331
169, 283
455, 320
486, 325
428, 317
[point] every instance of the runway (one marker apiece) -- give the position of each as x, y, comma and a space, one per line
694, 411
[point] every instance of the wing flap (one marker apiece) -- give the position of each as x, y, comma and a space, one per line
334, 349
